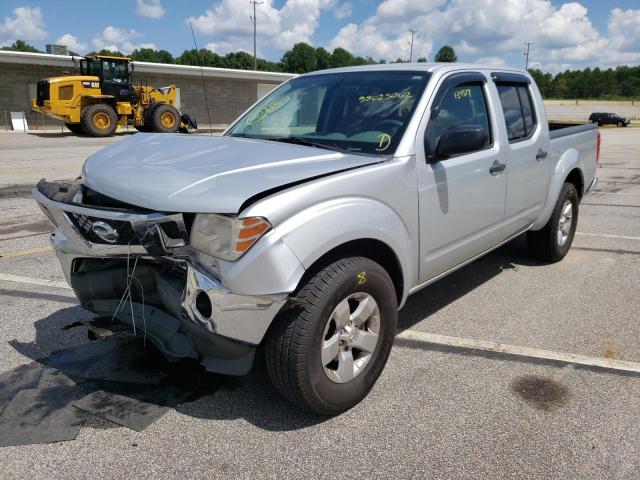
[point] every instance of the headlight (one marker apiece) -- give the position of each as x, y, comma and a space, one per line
226, 237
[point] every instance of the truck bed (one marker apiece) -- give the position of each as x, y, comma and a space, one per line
562, 129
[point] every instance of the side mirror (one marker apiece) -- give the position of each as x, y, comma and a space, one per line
130, 67
461, 139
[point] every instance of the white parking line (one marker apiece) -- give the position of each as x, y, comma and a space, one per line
604, 235
487, 346
41, 282
602, 192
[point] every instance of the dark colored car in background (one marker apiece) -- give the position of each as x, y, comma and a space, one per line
608, 119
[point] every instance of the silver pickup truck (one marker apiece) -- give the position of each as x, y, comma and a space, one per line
304, 227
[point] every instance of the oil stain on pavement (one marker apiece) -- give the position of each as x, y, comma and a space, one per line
540, 392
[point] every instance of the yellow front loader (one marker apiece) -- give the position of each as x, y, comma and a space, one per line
102, 97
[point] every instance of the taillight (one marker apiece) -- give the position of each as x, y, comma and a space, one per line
598, 148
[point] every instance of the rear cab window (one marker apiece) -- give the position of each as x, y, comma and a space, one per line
517, 107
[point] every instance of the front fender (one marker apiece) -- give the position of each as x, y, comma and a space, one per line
320, 228
567, 162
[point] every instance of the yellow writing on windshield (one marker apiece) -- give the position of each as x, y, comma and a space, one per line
385, 96
384, 140
262, 112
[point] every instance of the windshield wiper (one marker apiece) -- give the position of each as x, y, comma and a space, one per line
306, 142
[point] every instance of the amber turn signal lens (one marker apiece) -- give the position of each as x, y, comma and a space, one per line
251, 229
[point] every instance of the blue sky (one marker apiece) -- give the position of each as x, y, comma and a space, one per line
566, 34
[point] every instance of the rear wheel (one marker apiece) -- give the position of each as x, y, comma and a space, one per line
99, 120
552, 242
326, 350
165, 119
75, 128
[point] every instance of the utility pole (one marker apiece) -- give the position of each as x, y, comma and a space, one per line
255, 58
413, 32
526, 54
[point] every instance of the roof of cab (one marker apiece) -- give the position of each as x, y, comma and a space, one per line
413, 67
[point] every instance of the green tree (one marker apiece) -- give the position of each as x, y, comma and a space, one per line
422, 60
108, 53
21, 46
323, 59
446, 54
341, 58
152, 55
202, 58
300, 59
238, 60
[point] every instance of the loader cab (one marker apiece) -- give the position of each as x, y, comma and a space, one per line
114, 75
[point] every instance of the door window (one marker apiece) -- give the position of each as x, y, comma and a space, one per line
462, 105
517, 107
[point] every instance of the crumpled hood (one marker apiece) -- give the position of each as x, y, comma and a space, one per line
188, 173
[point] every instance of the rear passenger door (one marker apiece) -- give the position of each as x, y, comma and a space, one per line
527, 150
461, 196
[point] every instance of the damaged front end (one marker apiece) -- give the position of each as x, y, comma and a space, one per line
137, 266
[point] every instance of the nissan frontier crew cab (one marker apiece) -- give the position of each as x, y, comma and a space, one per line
306, 225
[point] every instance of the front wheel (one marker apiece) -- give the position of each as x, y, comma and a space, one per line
329, 346
99, 120
553, 241
620, 124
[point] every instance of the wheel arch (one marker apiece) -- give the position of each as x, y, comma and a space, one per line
568, 169
370, 248
576, 178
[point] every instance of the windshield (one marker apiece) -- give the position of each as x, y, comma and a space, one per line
360, 112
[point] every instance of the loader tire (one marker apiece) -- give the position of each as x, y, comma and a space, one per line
99, 120
165, 119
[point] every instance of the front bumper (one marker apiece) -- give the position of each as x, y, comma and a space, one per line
205, 310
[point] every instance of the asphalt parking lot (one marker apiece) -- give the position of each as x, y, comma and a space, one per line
438, 411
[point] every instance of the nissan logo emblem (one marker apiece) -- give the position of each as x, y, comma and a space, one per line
105, 231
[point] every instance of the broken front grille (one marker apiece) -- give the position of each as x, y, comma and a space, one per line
103, 231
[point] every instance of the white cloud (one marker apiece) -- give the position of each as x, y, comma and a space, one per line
26, 24
72, 43
496, 29
150, 8
228, 26
342, 10
115, 38
493, 61
624, 29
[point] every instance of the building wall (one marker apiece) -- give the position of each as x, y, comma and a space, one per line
227, 97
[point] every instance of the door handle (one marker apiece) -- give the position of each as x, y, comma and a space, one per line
497, 168
541, 155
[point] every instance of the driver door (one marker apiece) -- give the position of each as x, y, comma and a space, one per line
461, 197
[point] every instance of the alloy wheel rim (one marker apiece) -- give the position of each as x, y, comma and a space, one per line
564, 225
350, 337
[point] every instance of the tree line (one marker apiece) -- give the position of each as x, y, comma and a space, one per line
621, 82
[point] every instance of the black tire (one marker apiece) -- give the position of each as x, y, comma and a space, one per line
620, 124
293, 344
99, 120
159, 118
545, 244
75, 128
